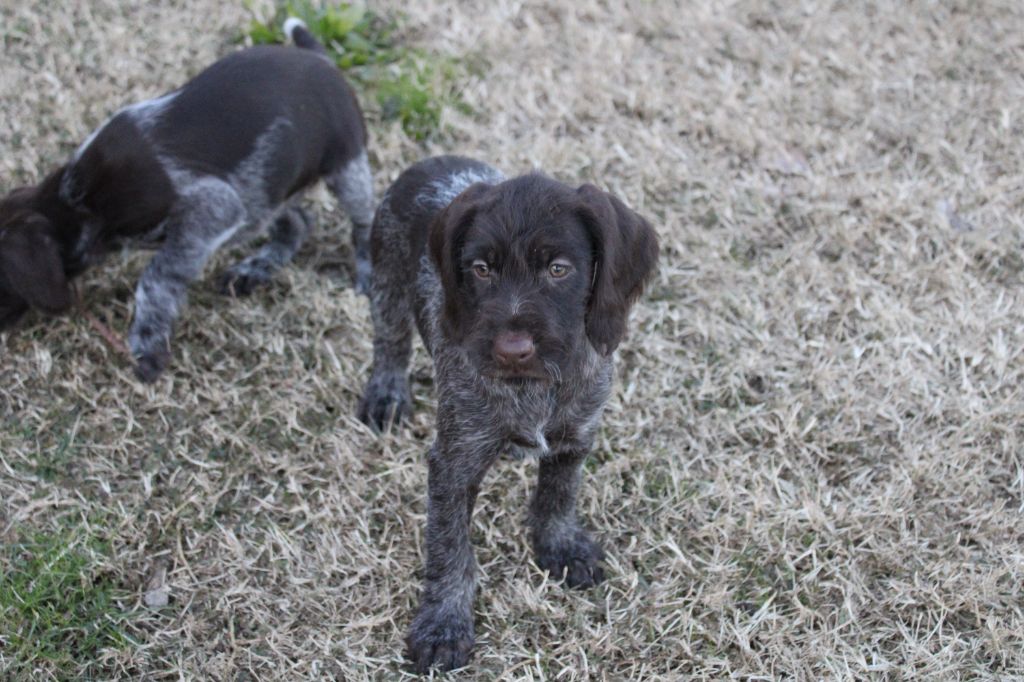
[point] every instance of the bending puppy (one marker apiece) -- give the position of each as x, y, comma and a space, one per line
523, 288
215, 161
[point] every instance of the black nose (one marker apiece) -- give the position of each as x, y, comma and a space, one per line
513, 349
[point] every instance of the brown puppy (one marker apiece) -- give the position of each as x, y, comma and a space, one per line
220, 159
522, 291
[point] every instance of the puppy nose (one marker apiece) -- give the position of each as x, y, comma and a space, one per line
513, 348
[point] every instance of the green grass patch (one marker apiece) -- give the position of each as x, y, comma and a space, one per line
58, 609
48, 453
409, 85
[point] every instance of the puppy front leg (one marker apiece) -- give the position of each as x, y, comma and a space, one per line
562, 546
442, 631
386, 398
208, 213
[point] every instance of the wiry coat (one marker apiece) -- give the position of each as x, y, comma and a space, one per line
550, 272
216, 161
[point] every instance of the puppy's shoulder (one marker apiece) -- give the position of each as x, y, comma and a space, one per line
118, 176
429, 185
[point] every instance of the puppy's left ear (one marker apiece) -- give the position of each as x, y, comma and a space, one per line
625, 254
32, 267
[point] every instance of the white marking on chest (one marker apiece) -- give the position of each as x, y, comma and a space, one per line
542, 442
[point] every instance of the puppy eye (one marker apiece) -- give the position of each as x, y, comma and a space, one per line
481, 269
559, 269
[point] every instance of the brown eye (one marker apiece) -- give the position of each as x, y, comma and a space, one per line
481, 269
558, 269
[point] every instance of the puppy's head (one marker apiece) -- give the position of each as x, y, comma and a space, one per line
533, 270
31, 269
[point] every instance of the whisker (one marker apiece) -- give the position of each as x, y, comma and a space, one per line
554, 371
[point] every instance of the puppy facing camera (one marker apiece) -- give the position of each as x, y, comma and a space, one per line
523, 290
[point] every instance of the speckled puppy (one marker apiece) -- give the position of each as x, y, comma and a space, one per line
523, 288
218, 160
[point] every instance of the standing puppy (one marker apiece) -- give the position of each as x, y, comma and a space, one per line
217, 160
522, 292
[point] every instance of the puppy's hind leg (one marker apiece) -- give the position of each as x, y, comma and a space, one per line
353, 186
208, 213
287, 235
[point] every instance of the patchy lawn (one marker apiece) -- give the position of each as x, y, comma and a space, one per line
813, 463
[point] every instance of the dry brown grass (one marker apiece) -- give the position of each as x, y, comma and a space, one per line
812, 466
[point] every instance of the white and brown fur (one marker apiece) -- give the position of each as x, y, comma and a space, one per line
548, 406
217, 161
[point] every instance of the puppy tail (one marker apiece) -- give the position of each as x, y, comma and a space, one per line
299, 34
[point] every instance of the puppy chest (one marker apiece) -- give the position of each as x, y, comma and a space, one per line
549, 427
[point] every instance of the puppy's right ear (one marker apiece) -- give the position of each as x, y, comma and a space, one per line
445, 241
31, 265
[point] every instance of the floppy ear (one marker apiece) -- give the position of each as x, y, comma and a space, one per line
445, 241
625, 253
31, 265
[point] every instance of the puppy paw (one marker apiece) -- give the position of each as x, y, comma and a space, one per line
150, 346
150, 366
386, 401
245, 277
438, 640
577, 560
